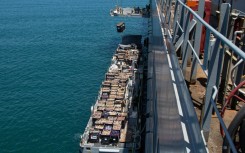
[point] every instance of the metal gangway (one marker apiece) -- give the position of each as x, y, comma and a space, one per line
172, 124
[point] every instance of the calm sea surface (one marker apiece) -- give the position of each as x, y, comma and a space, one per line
53, 56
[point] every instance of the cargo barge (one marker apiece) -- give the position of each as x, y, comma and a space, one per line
113, 124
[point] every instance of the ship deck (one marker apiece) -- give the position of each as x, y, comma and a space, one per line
113, 121
173, 126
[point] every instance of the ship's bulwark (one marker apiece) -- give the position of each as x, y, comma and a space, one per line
135, 39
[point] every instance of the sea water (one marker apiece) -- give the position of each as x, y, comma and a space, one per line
53, 57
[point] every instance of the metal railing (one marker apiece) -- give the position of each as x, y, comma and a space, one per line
186, 27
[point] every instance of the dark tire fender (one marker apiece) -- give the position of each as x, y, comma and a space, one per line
232, 129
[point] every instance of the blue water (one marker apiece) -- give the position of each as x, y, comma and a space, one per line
53, 56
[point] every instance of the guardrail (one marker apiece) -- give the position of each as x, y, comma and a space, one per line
185, 28
154, 104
